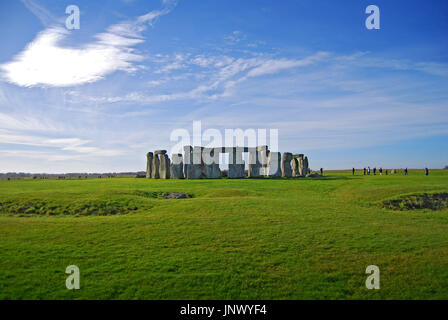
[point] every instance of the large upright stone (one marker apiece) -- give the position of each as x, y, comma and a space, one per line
236, 162
164, 169
149, 158
193, 162
210, 157
188, 159
295, 167
177, 166
263, 157
300, 159
155, 166
254, 166
286, 165
306, 168
275, 161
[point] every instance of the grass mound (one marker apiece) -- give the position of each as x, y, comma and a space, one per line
77, 208
433, 201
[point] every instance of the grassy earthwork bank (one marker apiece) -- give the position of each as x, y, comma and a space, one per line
301, 238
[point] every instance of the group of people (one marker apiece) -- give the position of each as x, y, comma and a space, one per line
380, 170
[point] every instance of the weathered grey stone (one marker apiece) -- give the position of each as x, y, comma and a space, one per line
236, 162
155, 167
275, 161
176, 195
263, 156
164, 168
286, 165
295, 167
188, 159
210, 157
305, 166
159, 152
193, 167
300, 159
177, 166
149, 158
314, 175
254, 166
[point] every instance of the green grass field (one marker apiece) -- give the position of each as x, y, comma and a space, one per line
309, 238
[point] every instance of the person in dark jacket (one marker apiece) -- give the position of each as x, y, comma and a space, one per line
364, 171
426, 171
353, 171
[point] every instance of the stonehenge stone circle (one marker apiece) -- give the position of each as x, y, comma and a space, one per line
199, 162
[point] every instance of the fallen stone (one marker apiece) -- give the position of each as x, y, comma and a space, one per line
176, 195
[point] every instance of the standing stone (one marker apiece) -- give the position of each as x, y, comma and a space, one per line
164, 168
177, 166
263, 157
300, 159
155, 166
193, 162
149, 158
210, 157
188, 160
236, 162
305, 166
295, 167
254, 166
286, 165
275, 161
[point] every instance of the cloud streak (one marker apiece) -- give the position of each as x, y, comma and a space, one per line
46, 62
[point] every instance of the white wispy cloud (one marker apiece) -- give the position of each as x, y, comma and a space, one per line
46, 62
222, 73
75, 145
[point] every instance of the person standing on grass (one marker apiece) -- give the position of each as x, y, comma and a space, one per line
321, 171
386, 172
381, 171
353, 171
368, 171
426, 171
406, 171
364, 171
374, 171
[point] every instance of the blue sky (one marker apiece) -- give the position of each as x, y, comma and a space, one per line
98, 98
